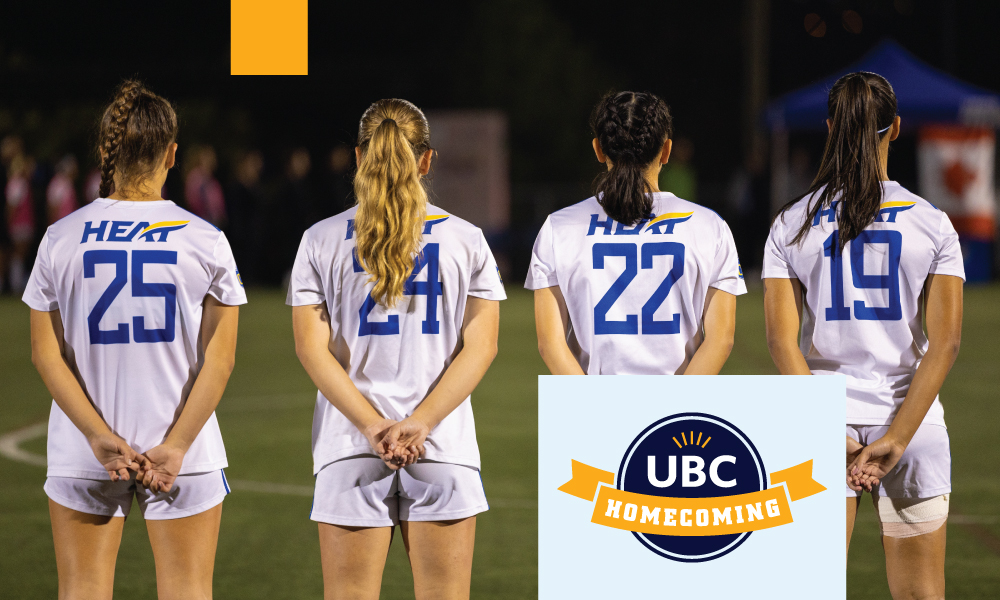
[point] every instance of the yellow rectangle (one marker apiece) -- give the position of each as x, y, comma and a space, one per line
269, 37
679, 516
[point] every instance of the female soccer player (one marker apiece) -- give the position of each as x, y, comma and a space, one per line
634, 280
396, 316
863, 266
133, 329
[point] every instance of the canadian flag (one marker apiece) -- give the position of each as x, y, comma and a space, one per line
956, 175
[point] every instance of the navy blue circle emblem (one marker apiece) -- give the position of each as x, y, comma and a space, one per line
692, 455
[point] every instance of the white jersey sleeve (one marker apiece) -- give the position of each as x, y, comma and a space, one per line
129, 280
635, 295
305, 287
863, 305
485, 281
948, 256
227, 286
395, 356
775, 260
728, 275
40, 294
542, 270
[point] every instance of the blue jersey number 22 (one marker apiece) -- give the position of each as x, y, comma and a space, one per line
630, 326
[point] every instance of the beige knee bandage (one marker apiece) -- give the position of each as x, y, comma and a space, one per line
910, 517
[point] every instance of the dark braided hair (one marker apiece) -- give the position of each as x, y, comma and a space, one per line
860, 105
135, 131
631, 128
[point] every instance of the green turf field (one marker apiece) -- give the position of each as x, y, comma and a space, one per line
268, 547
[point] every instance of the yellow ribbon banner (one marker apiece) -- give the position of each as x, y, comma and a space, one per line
691, 516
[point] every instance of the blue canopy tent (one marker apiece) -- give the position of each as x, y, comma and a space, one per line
924, 95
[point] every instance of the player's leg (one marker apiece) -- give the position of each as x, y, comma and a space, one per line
356, 507
353, 559
441, 557
86, 551
183, 526
852, 515
87, 520
437, 507
915, 565
912, 506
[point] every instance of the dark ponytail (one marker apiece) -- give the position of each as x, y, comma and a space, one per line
135, 130
862, 108
631, 128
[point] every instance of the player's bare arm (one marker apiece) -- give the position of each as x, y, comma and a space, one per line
311, 326
551, 325
480, 331
719, 323
47, 354
219, 323
943, 295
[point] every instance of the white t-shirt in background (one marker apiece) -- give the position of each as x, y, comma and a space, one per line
395, 356
635, 295
129, 280
862, 313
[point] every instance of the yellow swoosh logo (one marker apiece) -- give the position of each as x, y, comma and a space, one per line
667, 216
897, 204
164, 224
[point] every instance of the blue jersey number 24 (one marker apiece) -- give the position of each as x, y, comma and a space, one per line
630, 252
431, 288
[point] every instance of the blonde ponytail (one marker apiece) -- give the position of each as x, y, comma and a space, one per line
392, 202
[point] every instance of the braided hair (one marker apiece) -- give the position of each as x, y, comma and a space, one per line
135, 131
631, 128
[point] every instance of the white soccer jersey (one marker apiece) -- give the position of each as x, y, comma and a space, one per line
862, 308
395, 356
129, 280
635, 295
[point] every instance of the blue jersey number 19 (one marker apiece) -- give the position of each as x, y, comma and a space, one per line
839, 311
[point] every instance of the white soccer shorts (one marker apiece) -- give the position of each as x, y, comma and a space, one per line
924, 471
190, 495
361, 491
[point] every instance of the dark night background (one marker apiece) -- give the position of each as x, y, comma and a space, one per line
544, 63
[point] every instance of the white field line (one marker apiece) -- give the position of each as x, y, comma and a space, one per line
10, 448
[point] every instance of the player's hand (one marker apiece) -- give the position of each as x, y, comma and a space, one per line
404, 441
117, 457
374, 433
164, 464
875, 460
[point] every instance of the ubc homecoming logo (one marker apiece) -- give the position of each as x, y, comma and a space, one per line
692, 488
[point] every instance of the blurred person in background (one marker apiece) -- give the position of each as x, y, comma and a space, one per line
245, 201
202, 191
295, 211
338, 187
61, 193
11, 146
92, 186
20, 217
679, 177
800, 172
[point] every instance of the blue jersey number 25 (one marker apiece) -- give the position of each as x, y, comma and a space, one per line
168, 291
630, 252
